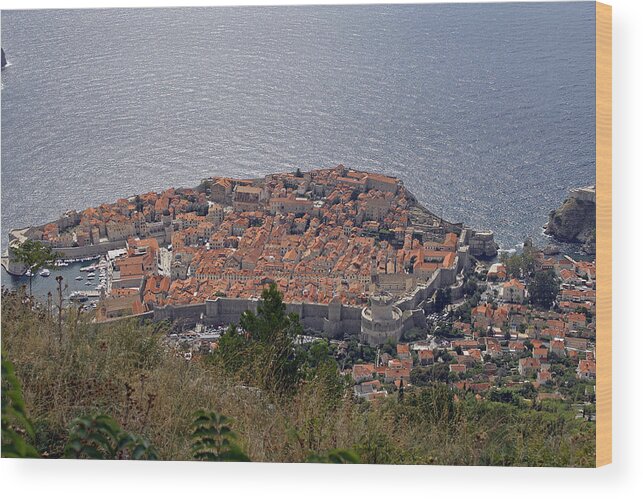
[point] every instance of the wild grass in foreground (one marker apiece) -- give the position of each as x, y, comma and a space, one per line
123, 371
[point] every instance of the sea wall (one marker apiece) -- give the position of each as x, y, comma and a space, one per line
99, 249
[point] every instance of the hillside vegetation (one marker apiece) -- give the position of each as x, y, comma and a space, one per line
283, 403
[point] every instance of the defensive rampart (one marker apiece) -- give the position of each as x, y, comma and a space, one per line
333, 320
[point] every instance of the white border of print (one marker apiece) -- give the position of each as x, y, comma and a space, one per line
63, 478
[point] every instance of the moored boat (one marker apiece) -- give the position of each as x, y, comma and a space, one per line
78, 296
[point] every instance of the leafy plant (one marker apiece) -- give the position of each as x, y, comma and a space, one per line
100, 437
214, 440
15, 423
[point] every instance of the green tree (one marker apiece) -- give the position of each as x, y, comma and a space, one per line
423, 376
442, 298
520, 265
543, 289
503, 395
331, 383
232, 350
389, 347
265, 355
34, 255
318, 352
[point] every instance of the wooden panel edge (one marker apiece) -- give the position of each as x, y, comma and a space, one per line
603, 234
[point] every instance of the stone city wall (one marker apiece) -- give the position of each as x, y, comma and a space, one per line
99, 249
222, 310
587, 194
90, 250
441, 278
191, 314
333, 320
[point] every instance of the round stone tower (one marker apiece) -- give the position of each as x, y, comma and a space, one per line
381, 307
381, 320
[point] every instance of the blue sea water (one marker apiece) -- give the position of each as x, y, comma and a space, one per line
486, 111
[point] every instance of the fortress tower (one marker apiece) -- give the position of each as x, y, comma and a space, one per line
381, 320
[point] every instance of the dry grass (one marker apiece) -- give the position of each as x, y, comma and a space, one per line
125, 371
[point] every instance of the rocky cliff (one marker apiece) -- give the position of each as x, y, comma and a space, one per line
482, 245
575, 220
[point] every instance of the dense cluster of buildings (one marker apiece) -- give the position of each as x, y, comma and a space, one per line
505, 342
321, 235
317, 235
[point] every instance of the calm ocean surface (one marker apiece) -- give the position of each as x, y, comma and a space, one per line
485, 111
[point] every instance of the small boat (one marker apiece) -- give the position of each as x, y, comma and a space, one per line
79, 278
28, 273
45, 273
90, 275
88, 284
78, 296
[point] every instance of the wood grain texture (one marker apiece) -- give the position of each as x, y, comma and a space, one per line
603, 234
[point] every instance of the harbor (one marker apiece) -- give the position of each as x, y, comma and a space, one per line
74, 274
